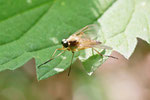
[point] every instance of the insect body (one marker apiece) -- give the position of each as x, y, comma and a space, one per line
79, 41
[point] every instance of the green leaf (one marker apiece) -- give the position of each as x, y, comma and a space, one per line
124, 22
34, 29
93, 62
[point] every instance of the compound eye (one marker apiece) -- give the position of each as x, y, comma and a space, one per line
65, 43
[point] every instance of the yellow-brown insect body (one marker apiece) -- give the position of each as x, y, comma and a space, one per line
76, 43
73, 43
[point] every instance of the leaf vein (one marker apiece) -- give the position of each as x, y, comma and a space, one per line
24, 11
38, 19
128, 22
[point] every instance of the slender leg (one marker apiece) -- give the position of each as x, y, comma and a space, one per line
70, 64
105, 55
53, 56
54, 53
59, 54
98, 52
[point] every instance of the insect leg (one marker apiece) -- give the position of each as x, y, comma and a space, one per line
56, 51
104, 55
70, 64
53, 56
97, 52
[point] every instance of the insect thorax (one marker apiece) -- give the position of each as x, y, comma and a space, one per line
73, 43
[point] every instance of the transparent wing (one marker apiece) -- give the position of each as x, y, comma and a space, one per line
93, 44
102, 46
89, 31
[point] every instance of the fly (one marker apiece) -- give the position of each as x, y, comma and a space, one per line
79, 41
